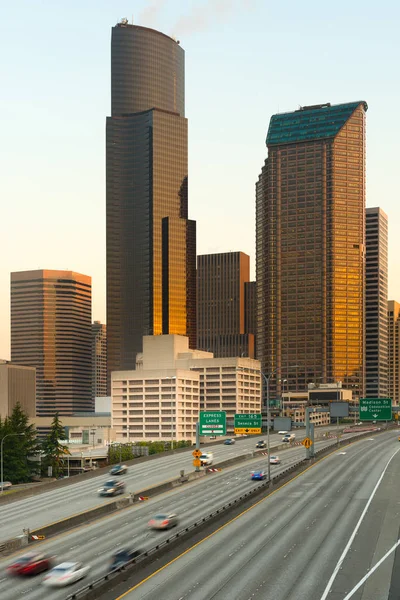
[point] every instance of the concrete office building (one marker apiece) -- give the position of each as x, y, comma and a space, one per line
51, 331
223, 317
161, 399
310, 247
394, 352
17, 384
99, 360
376, 304
151, 243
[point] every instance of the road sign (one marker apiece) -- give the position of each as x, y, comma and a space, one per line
307, 443
212, 423
375, 409
197, 453
248, 423
197, 462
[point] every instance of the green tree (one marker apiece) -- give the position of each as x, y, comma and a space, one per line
54, 451
20, 446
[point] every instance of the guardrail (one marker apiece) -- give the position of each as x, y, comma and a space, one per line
91, 590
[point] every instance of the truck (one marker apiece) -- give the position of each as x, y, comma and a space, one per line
206, 459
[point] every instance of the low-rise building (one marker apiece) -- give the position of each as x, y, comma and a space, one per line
162, 398
17, 384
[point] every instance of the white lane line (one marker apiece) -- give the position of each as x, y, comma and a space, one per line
357, 527
378, 564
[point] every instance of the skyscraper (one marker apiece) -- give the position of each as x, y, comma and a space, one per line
376, 304
151, 244
99, 360
394, 352
51, 314
221, 304
310, 212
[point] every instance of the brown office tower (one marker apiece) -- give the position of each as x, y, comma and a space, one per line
310, 256
221, 305
151, 244
394, 352
99, 360
51, 330
376, 304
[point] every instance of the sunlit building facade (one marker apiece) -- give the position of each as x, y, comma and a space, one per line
51, 317
151, 243
310, 248
394, 352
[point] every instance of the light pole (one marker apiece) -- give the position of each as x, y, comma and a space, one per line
1, 453
283, 391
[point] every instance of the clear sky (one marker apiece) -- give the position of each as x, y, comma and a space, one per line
245, 60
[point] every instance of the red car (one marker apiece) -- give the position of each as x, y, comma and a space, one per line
30, 564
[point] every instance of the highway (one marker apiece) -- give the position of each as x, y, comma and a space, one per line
95, 543
318, 537
42, 509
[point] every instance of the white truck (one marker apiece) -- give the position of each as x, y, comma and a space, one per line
206, 459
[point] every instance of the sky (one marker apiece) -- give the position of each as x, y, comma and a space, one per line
245, 60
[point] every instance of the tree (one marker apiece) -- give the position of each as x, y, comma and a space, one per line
20, 446
54, 451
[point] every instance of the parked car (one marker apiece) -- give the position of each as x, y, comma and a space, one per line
258, 475
65, 574
122, 557
32, 563
163, 521
274, 460
261, 444
229, 442
112, 487
118, 470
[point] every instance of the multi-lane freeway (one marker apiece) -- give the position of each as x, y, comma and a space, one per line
45, 508
331, 533
94, 543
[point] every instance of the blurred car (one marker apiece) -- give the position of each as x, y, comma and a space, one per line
261, 444
283, 432
6, 485
274, 460
30, 564
206, 459
122, 557
289, 437
163, 521
258, 475
65, 574
229, 442
118, 470
112, 487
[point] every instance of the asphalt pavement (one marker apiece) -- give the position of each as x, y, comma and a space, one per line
60, 503
94, 543
330, 533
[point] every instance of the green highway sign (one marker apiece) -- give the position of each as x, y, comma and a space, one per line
375, 409
248, 423
212, 422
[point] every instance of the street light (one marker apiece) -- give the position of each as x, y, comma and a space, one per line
283, 381
1, 458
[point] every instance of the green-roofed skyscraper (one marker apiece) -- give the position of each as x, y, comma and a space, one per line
310, 249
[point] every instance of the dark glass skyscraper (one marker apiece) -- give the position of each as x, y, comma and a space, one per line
151, 244
310, 207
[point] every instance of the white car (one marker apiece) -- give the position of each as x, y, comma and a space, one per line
65, 574
274, 460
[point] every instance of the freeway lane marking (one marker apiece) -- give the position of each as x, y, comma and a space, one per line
378, 564
357, 527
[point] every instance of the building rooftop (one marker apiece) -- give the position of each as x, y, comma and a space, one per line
310, 123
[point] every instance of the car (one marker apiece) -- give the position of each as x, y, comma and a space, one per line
206, 459
122, 557
261, 444
163, 521
65, 574
289, 437
258, 475
274, 460
6, 485
112, 487
118, 470
282, 432
229, 442
32, 563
